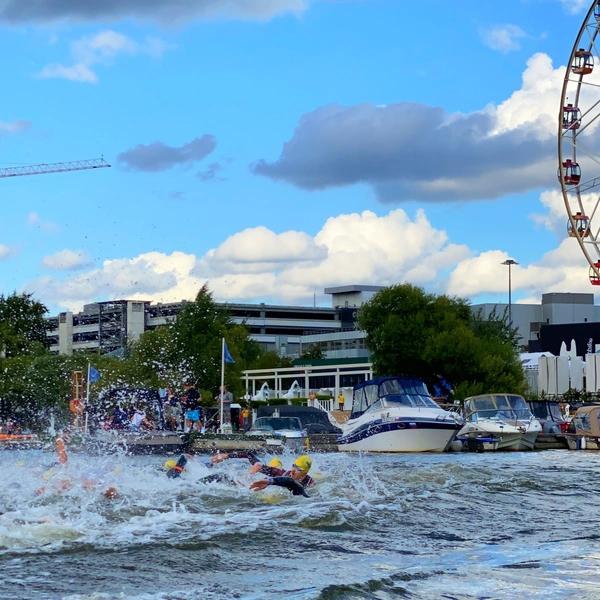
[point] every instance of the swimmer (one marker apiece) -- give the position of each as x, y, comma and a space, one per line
177, 469
66, 484
295, 480
174, 469
257, 466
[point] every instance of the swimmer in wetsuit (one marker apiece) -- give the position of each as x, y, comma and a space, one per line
272, 469
174, 470
295, 480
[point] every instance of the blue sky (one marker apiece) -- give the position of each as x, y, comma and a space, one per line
277, 147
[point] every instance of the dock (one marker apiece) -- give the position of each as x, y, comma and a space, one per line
550, 441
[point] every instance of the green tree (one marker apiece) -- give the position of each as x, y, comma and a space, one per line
315, 351
22, 324
437, 339
198, 332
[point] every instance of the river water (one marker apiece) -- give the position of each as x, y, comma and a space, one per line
454, 526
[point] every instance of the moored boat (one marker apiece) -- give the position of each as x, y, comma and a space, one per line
397, 414
504, 418
586, 428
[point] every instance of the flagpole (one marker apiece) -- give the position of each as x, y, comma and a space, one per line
222, 378
87, 393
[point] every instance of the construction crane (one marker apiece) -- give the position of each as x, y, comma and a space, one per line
75, 165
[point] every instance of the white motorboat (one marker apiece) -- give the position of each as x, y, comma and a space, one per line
397, 414
504, 419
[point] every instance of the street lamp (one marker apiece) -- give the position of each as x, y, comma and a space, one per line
510, 262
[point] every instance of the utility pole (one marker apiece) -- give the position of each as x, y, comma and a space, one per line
510, 262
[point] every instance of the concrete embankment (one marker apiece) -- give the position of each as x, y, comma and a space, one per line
316, 443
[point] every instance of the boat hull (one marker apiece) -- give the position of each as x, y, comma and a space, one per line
506, 438
582, 442
528, 440
413, 436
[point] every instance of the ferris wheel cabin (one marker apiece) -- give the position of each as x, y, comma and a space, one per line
571, 172
597, 12
571, 117
582, 224
583, 63
594, 277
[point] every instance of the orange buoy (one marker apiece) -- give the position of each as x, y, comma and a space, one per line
62, 452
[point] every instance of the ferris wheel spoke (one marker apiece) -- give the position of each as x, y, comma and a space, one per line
585, 114
591, 154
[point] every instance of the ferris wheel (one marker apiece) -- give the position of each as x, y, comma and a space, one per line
578, 141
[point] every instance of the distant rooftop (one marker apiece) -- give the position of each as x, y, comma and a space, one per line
347, 289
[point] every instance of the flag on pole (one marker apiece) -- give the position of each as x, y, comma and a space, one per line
94, 375
226, 355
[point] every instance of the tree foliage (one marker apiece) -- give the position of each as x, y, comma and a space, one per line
22, 324
315, 351
438, 339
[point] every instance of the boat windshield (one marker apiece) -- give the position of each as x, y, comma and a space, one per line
518, 407
277, 423
555, 411
411, 400
501, 406
582, 422
394, 391
393, 387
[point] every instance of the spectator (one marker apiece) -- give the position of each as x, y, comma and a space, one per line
227, 401
245, 418
341, 401
172, 416
139, 421
193, 410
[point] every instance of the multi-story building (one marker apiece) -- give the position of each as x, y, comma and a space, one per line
291, 330
108, 326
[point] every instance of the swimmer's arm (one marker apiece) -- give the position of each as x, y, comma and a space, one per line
217, 458
290, 484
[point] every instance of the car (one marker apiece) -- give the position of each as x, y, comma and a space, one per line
548, 413
289, 428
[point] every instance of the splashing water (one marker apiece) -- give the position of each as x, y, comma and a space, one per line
374, 527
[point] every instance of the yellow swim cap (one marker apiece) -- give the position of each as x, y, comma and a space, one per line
303, 463
275, 462
169, 464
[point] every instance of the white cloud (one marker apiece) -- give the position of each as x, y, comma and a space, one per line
66, 260
17, 126
563, 269
260, 264
574, 6
78, 72
5, 252
257, 265
101, 48
34, 220
503, 38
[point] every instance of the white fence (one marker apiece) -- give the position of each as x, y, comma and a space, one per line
558, 374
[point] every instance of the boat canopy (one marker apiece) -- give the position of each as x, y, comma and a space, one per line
388, 391
587, 420
489, 406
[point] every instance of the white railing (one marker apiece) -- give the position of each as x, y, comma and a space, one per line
324, 405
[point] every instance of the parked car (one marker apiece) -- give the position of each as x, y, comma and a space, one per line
313, 419
549, 415
289, 428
